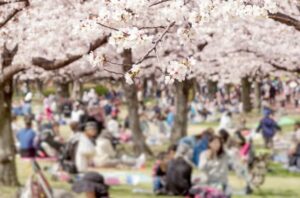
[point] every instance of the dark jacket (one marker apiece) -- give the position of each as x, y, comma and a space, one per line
268, 126
178, 178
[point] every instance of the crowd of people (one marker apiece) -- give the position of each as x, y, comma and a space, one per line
97, 130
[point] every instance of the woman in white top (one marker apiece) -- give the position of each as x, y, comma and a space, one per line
214, 164
226, 121
86, 149
106, 155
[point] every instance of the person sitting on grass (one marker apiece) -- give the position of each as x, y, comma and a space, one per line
214, 165
49, 142
294, 151
179, 173
160, 170
26, 137
106, 155
85, 151
188, 143
159, 173
201, 145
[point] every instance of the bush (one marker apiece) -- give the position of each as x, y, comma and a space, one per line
100, 89
48, 91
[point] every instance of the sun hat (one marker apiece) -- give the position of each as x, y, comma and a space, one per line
91, 182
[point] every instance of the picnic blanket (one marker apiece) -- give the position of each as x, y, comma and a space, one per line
117, 177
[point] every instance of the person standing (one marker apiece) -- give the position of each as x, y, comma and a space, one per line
269, 127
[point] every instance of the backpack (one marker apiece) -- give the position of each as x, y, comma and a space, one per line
178, 178
67, 159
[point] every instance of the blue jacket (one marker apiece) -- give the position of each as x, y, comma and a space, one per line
268, 126
200, 146
26, 138
188, 140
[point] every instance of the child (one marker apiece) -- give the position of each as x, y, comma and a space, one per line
239, 152
294, 152
160, 170
159, 173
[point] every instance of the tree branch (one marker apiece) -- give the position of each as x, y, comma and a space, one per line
282, 68
152, 27
57, 64
13, 14
285, 19
158, 2
9, 72
156, 42
113, 72
108, 27
276, 66
11, 2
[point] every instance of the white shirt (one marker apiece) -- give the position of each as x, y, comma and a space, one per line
226, 122
213, 170
104, 152
113, 127
76, 114
84, 154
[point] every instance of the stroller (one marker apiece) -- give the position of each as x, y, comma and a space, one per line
67, 157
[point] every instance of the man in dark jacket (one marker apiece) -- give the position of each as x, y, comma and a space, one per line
179, 176
269, 127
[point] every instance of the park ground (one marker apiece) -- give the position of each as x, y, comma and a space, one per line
279, 182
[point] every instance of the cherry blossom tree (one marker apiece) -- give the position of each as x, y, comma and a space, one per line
41, 33
170, 31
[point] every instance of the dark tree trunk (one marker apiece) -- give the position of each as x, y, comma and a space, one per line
227, 90
212, 87
182, 91
63, 89
39, 87
257, 91
76, 90
133, 106
8, 173
27, 85
246, 95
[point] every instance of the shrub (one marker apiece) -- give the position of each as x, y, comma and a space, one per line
100, 89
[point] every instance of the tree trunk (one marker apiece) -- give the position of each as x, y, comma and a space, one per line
246, 95
212, 89
63, 89
39, 87
181, 102
227, 90
140, 145
257, 91
76, 90
8, 175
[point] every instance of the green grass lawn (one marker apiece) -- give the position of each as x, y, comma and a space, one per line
279, 182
